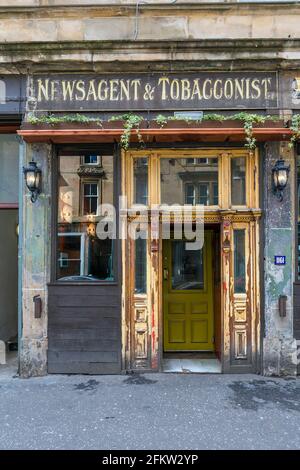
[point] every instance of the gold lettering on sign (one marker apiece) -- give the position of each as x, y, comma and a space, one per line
164, 81
218, 89
53, 88
185, 89
266, 82
91, 91
228, 89
113, 90
256, 88
136, 84
68, 89
159, 89
205, 96
239, 88
102, 90
125, 90
196, 90
174, 90
43, 90
80, 89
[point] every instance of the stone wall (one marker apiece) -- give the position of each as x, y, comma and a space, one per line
36, 241
279, 346
105, 21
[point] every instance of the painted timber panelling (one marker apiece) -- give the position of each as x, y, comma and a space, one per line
84, 329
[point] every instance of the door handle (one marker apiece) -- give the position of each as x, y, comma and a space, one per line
166, 274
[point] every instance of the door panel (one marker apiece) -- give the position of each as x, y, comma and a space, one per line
188, 300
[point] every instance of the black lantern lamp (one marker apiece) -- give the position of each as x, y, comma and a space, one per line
33, 176
280, 173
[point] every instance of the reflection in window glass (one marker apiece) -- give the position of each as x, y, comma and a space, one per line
239, 262
90, 159
140, 266
9, 169
81, 255
90, 198
238, 181
189, 181
140, 168
187, 267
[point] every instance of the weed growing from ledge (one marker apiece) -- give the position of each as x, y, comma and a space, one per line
131, 122
52, 119
295, 128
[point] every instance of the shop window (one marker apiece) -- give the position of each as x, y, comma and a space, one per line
238, 181
81, 254
140, 266
140, 166
239, 262
9, 169
189, 181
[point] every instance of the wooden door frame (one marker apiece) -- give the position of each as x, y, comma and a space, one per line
147, 320
208, 277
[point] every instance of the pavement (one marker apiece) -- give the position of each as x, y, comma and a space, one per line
148, 411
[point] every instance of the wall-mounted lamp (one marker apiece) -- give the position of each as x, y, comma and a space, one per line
280, 174
33, 177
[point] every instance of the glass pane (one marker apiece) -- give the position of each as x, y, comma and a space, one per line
187, 267
190, 192
215, 194
204, 194
81, 254
91, 160
179, 175
141, 266
239, 262
140, 166
9, 169
238, 181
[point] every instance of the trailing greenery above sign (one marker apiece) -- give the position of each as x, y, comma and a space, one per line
131, 122
155, 91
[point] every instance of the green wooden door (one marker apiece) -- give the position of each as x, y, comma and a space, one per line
188, 296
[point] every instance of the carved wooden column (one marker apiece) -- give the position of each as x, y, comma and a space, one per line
241, 310
226, 288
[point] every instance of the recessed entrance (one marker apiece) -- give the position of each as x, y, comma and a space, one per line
191, 316
207, 303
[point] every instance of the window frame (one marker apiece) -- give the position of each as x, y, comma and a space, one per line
185, 156
85, 182
81, 150
238, 206
98, 163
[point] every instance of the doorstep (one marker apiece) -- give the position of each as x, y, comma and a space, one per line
192, 366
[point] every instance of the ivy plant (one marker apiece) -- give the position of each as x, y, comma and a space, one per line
295, 128
131, 122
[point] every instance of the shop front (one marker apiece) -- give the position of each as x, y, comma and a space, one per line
121, 286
